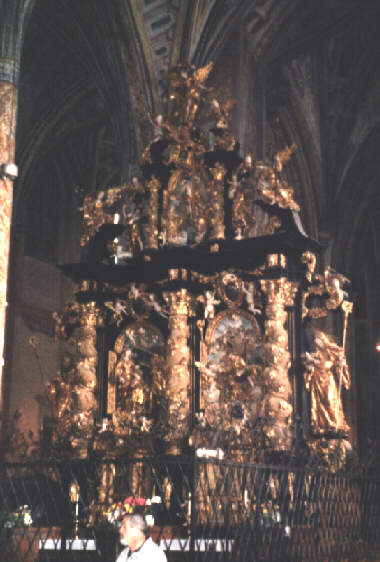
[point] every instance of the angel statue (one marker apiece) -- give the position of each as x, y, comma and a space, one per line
187, 89
326, 372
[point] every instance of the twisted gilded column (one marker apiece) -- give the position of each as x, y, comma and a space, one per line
73, 393
276, 357
178, 389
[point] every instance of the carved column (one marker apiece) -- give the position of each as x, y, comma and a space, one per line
278, 409
178, 388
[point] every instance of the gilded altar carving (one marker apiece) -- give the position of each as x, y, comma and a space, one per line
97, 210
326, 373
276, 260
196, 191
329, 285
135, 301
193, 186
329, 453
230, 289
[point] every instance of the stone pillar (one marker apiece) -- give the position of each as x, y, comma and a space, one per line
8, 103
178, 389
11, 29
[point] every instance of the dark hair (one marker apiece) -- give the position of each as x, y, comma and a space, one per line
137, 520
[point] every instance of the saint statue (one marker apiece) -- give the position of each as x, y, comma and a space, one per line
326, 372
131, 387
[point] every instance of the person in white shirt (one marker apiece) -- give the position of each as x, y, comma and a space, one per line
134, 536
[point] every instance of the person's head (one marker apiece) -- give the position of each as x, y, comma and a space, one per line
133, 531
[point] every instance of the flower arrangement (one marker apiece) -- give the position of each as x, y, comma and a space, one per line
149, 507
21, 517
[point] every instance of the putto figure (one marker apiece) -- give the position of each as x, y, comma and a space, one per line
326, 372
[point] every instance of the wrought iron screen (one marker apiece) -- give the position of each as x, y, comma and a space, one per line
200, 510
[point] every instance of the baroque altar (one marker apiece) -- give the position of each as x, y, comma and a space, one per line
200, 305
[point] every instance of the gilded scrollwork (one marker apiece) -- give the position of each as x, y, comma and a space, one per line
135, 302
98, 210
272, 188
329, 286
331, 454
310, 260
230, 289
193, 186
276, 260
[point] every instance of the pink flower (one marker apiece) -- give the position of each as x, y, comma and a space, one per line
140, 501
130, 500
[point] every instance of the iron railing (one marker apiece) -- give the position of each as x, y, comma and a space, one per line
210, 510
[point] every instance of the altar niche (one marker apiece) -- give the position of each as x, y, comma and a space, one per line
245, 388
136, 383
